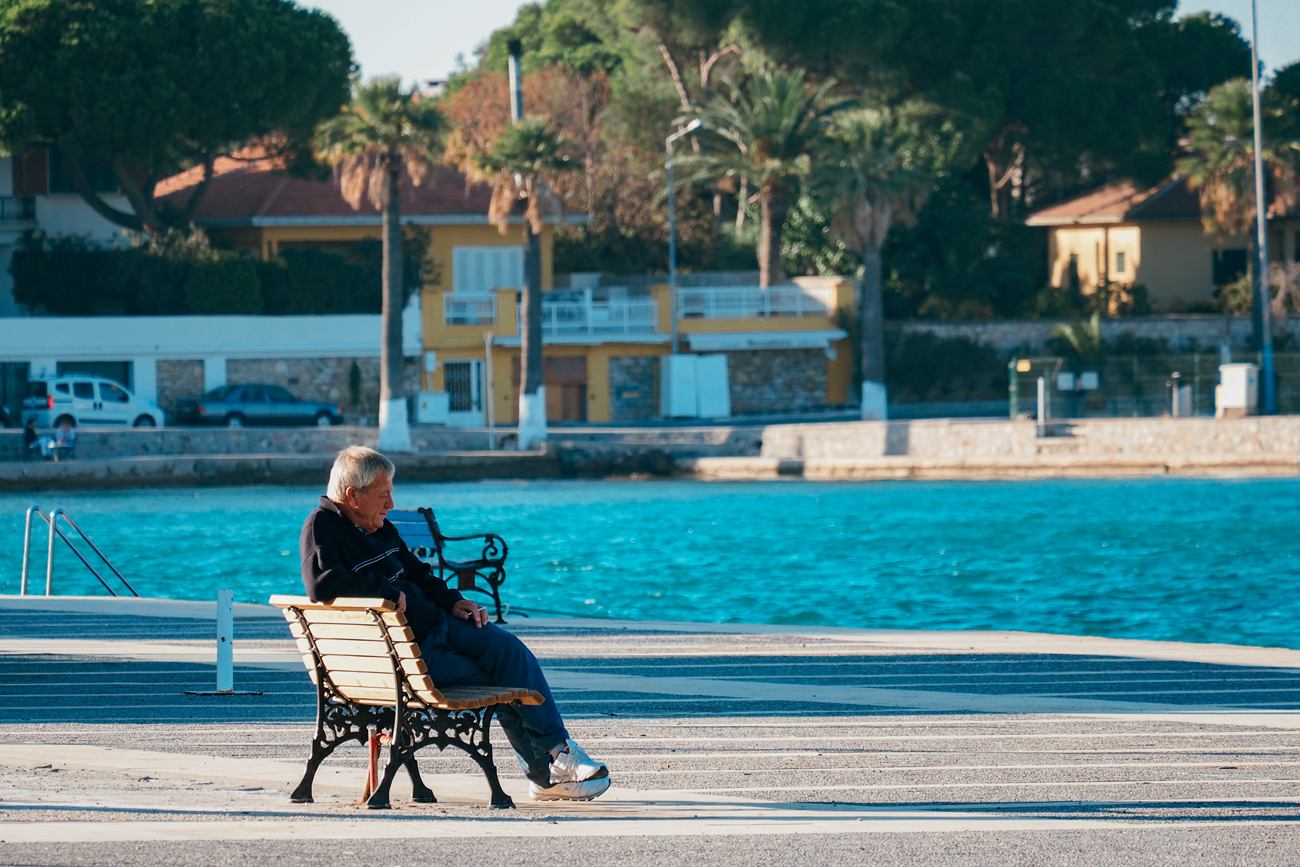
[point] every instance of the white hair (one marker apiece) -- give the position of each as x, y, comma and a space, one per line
357, 467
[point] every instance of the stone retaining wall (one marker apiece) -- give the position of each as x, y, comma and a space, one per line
1181, 333
950, 440
177, 379
632, 388
776, 380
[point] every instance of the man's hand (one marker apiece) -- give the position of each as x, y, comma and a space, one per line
401, 601
466, 610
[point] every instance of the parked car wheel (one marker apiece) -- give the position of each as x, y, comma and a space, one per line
58, 422
324, 419
234, 420
145, 421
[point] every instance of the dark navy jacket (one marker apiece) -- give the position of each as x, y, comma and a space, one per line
341, 559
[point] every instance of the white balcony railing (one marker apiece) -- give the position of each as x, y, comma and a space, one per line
469, 309
752, 302
596, 318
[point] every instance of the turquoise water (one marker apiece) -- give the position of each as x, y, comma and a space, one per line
1187, 560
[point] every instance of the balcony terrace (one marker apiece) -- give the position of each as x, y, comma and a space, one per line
752, 302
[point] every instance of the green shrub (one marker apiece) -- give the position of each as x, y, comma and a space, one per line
920, 366
223, 282
62, 276
310, 281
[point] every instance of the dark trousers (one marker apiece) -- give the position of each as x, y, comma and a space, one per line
490, 656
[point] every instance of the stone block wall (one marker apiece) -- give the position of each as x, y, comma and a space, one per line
951, 440
632, 388
326, 379
1181, 333
776, 380
177, 379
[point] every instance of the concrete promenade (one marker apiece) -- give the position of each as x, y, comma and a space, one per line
728, 744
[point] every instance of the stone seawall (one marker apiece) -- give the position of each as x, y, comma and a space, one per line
945, 449
944, 439
107, 443
923, 449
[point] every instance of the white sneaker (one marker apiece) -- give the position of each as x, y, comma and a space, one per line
573, 765
581, 791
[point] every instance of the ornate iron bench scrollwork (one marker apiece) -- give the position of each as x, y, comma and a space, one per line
367, 668
482, 574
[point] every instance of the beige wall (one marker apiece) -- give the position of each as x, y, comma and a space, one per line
1178, 264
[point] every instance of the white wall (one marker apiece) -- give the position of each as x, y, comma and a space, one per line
70, 215
44, 341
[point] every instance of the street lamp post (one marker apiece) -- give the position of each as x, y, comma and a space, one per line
672, 226
1261, 218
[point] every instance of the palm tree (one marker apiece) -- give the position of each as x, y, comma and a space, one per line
520, 164
1084, 338
765, 134
384, 131
1220, 163
873, 177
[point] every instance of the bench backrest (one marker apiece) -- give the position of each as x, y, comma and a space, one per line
355, 641
416, 530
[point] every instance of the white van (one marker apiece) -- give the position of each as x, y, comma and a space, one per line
88, 400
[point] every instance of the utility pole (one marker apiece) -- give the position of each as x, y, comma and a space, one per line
1262, 299
532, 388
672, 225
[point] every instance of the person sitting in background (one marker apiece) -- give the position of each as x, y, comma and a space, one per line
349, 548
65, 442
31, 442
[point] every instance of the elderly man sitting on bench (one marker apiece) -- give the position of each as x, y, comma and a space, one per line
349, 549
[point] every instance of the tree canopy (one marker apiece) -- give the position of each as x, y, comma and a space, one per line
152, 87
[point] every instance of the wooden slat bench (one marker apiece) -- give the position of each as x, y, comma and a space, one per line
362, 656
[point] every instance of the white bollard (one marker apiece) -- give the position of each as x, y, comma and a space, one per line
225, 641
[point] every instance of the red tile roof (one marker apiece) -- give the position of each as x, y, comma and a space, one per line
1122, 203
247, 190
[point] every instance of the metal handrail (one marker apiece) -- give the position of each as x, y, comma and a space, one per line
52, 520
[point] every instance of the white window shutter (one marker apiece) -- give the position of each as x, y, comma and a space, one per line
480, 270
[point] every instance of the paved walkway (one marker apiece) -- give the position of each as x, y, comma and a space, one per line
727, 744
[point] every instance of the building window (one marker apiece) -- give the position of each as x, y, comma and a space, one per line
1072, 274
1228, 266
1120, 263
99, 176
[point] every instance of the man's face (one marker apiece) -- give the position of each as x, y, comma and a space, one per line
369, 507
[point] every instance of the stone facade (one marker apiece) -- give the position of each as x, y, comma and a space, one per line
177, 379
325, 379
951, 440
632, 388
1181, 333
776, 380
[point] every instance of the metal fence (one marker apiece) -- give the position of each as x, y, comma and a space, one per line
1137, 385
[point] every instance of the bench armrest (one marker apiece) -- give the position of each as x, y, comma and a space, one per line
493, 554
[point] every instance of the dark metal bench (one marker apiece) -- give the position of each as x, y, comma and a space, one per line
365, 663
419, 530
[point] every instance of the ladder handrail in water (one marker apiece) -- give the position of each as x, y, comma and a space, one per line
52, 520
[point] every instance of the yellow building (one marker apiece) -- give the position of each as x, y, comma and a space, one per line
784, 346
1126, 237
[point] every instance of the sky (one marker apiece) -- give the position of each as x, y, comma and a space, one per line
420, 39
